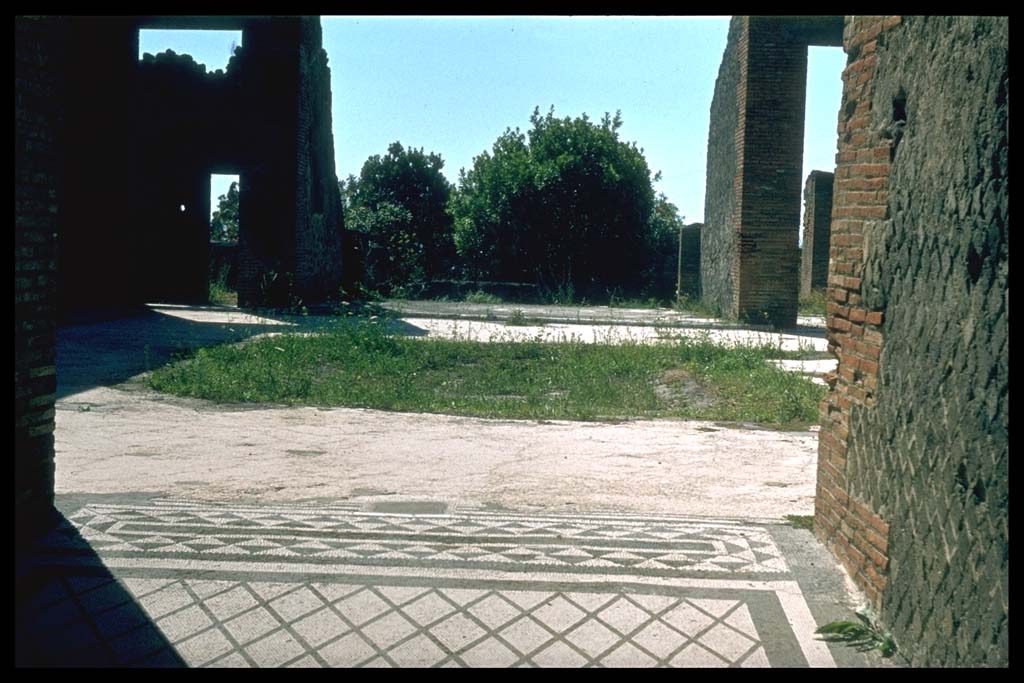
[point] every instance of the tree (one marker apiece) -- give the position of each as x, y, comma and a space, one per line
664, 225
569, 205
400, 199
224, 222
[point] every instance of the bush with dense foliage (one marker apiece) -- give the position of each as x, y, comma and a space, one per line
568, 205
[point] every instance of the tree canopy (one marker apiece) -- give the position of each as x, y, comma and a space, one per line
224, 221
400, 199
567, 205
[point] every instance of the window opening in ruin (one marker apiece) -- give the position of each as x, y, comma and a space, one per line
213, 49
821, 114
224, 233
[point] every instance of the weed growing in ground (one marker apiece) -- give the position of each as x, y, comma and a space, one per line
801, 521
517, 317
813, 303
698, 307
863, 635
220, 294
482, 297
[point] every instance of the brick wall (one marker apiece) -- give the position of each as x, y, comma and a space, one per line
750, 263
912, 474
817, 230
38, 99
773, 77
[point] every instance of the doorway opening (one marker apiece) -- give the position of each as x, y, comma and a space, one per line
225, 190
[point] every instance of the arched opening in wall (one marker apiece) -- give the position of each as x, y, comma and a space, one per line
824, 96
225, 190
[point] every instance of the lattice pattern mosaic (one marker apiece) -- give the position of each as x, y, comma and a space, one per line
170, 584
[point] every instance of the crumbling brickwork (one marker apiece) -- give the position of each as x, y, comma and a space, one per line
817, 229
913, 455
38, 99
750, 259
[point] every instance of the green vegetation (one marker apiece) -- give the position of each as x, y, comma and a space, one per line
360, 365
864, 635
567, 205
801, 521
220, 293
480, 297
224, 221
400, 199
694, 306
813, 303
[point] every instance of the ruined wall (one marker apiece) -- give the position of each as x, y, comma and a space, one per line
766, 272
718, 238
148, 135
913, 455
750, 259
318, 248
38, 103
817, 231
174, 151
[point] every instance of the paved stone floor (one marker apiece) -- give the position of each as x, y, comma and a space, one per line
138, 573
405, 584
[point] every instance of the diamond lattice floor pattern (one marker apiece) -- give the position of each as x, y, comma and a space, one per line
171, 583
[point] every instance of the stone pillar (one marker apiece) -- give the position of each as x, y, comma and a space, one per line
773, 77
817, 228
750, 261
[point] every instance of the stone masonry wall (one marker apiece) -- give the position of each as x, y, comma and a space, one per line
38, 91
718, 238
913, 455
318, 252
817, 229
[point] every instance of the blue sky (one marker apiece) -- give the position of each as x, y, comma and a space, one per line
452, 85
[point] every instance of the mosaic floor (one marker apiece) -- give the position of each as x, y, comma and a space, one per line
179, 584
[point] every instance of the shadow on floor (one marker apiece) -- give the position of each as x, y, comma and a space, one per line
71, 612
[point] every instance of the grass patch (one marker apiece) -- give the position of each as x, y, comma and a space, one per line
813, 303
359, 365
801, 521
220, 294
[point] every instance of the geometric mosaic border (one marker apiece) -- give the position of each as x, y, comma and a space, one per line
301, 586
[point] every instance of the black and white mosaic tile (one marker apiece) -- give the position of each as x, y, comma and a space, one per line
167, 583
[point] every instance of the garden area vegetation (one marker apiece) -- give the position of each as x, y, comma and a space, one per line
361, 365
567, 210
567, 206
